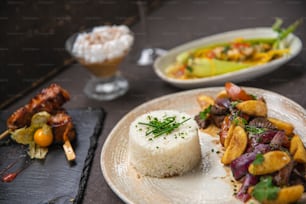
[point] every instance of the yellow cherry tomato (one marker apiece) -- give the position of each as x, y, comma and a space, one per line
43, 136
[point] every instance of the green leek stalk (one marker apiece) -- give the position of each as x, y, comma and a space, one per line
283, 33
210, 67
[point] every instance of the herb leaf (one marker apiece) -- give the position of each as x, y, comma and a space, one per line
265, 190
254, 130
239, 120
234, 103
189, 68
259, 159
205, 113
226, 48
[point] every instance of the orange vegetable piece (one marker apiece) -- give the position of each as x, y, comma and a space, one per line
253, 108
273, 161
282, 125
287, 195
297, 149
237, 145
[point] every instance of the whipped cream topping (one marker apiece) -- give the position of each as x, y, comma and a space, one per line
103, 43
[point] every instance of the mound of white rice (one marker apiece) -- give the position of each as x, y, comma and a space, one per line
164, 155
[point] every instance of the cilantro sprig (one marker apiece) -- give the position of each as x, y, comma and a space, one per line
265, 190
259, 159
205, 113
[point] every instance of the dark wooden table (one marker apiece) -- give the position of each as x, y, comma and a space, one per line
177, 22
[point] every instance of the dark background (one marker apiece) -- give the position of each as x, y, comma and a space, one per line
34, 33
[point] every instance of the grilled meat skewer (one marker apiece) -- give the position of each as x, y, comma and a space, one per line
50, 100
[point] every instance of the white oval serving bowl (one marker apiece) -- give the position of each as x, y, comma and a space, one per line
161, 64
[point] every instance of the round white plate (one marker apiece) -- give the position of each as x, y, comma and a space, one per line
208, 183
164, 61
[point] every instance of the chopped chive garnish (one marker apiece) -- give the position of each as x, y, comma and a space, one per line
166, 126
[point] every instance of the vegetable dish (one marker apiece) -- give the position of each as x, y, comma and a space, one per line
266, 156
225, 57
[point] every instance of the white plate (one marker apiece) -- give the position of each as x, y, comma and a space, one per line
163, 62
203, 185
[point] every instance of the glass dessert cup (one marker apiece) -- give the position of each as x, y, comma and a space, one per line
106, 82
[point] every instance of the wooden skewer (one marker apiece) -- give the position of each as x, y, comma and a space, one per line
69, 152
4, 134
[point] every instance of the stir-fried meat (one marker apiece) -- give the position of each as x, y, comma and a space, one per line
217, 120
218, 114
282, 177
50, 99
202, 123
62, 127
261, 122
219, 110
298, 175
279, 140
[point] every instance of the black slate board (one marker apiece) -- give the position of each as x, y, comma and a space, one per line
52, 180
